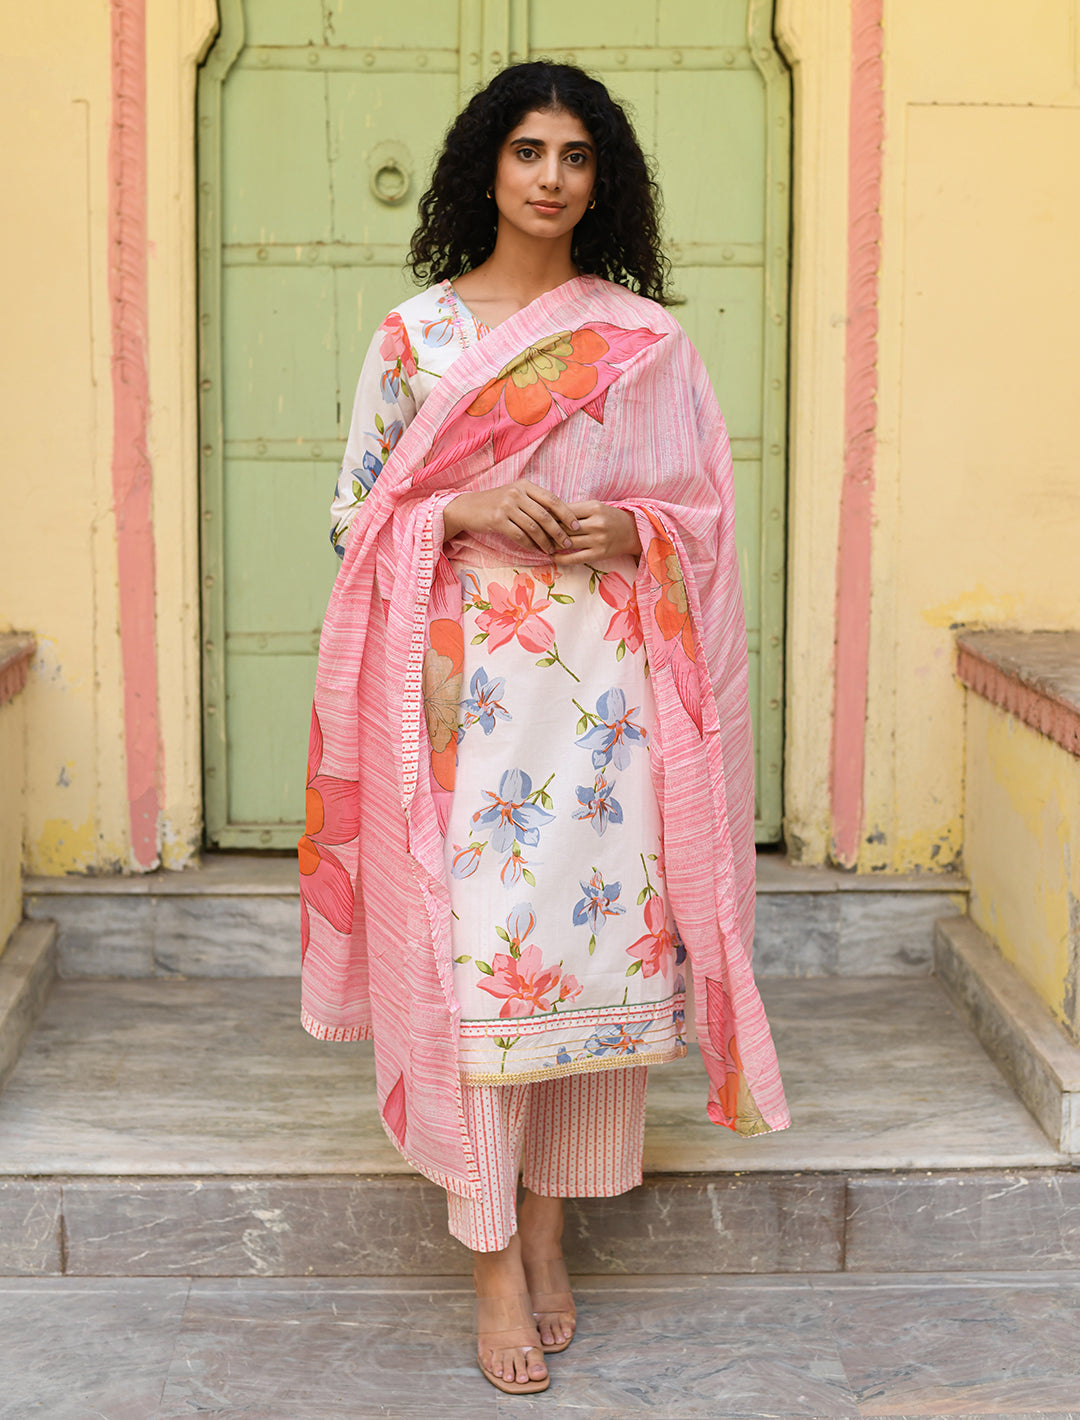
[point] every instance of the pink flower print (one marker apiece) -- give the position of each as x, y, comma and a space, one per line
546, 575
524, 983
654, 950
569, 988
396, 345
512, 614
625, 625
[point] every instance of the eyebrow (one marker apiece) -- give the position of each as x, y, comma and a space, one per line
540, 143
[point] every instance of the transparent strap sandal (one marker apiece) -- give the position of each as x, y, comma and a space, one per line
549, 1288
503, 1323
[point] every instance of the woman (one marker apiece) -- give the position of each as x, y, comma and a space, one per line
535, 516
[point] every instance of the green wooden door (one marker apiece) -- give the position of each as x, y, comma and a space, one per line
317, 125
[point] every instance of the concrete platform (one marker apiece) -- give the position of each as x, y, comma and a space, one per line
217, 1077
666, 1347
191, 1127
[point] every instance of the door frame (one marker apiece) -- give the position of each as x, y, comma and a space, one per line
488, 32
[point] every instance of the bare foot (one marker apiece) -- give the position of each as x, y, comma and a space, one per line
540, 1226
508, 1343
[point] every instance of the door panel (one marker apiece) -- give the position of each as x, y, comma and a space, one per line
317, 127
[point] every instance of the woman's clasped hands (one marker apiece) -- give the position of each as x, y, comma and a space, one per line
535, 517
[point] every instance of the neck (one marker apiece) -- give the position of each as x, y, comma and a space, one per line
524, 268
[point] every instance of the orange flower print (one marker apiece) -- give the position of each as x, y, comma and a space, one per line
673, 605
564, 363
512, 613
444, 665
333, 816
720, 1016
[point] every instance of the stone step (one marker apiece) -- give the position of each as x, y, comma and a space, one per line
162, 1127
27, 972
239, 915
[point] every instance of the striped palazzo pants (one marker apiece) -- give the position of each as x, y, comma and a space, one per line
574, 1136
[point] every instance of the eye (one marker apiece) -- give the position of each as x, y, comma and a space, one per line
526, 152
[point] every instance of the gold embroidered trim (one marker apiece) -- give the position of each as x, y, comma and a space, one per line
620, 1062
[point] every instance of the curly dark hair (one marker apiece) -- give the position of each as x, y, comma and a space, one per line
618, 239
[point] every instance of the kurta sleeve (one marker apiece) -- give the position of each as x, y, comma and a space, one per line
384, 406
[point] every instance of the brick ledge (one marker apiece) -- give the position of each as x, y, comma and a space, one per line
1034, 675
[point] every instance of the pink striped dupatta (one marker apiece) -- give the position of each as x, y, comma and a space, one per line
594, 393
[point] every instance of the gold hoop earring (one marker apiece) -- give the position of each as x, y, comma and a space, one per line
592, 204
490, 193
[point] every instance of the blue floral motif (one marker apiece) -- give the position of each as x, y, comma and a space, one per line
386, 436
466, 859
485, 701
598, 805
438, 332
511, 814
617, 1040
598, 904
610, 739
562, 1057
366, 476
390, 385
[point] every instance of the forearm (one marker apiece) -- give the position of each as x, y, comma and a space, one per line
453, 519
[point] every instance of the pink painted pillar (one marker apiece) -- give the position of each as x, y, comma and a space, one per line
131, 472
867, 128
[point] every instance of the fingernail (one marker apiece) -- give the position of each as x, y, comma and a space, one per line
575, 525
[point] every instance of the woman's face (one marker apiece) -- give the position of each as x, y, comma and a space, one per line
545, 174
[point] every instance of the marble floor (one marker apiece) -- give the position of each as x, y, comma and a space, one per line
835, 1348
188, 1077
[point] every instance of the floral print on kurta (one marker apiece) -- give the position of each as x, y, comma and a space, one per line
565, 955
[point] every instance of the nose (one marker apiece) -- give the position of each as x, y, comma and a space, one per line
551, 175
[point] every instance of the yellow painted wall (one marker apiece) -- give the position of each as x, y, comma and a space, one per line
12, 809
980, 297
1022, 851
58, 570
978, 418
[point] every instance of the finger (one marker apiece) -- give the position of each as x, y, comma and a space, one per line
532, 533
559, 535
563, 512
588, 553
587, 509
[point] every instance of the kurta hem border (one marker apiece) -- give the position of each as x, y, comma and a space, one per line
574, 1067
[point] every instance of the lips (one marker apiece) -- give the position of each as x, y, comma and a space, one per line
548, 206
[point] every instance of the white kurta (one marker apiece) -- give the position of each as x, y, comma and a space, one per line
565, 952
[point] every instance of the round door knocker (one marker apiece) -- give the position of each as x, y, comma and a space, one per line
391, 177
